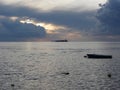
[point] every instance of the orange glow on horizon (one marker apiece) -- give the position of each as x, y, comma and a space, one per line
50, 28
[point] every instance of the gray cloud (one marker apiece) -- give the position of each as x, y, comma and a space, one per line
8, 10
77, 20
109, 19
84, 22
15, 31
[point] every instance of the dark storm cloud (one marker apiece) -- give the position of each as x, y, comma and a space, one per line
15, 31
109, 17
8, 10
76, 20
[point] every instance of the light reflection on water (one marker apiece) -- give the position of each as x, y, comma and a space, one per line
42, 66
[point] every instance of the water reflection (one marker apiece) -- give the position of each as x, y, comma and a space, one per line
58, 66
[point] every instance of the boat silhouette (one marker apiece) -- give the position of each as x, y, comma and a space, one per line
98, 56
65, 40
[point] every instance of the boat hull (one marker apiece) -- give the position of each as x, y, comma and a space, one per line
99, 56
61, 41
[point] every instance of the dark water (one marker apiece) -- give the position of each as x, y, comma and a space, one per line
58, 66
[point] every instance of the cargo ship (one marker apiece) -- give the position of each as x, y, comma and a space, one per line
65, 40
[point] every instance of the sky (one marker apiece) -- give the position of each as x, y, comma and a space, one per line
46, 20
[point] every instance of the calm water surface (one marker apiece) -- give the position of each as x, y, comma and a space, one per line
43, 66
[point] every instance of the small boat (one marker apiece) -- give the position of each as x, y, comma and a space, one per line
61, 40
98, 56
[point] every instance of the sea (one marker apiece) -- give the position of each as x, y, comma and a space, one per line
59, 66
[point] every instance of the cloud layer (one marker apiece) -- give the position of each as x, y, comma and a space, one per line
49, 5
15, 31
109, 17
80, 21
82, 25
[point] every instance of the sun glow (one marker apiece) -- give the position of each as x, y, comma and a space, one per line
50, 28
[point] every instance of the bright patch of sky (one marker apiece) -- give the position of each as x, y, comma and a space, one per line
47, 5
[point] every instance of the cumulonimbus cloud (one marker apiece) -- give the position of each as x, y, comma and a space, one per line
109, 17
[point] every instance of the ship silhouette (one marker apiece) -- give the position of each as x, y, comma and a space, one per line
65, 40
